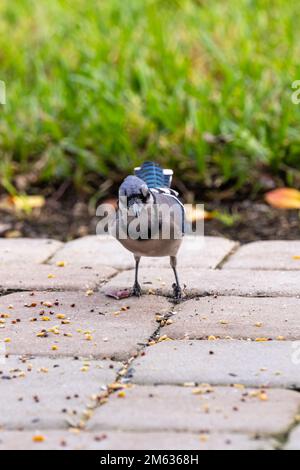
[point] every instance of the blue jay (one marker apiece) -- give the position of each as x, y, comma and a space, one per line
154, 210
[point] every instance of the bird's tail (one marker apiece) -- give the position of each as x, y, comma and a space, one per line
154, 176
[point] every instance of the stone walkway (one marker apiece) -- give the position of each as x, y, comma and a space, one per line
81, 370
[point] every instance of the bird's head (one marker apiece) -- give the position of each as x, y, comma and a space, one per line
134, 195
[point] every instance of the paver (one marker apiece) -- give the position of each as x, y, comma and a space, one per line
94, 251
110, 440
236, 317
294, 440
223, 362
98, 325
224, 375
44, 393
270, 255
42, 277
223, 409
24, 250
200, 252
233, 282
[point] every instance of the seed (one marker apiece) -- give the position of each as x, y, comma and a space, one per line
60, 316
263, 396
60, 264
38, 438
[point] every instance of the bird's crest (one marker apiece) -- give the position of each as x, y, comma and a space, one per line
154, 176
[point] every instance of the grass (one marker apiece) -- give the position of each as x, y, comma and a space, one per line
93, 88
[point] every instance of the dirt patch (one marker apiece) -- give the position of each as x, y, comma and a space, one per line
247, 222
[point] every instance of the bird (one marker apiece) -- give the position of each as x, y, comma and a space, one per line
151, 219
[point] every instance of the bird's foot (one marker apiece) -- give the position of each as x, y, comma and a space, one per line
177, 293
136, 290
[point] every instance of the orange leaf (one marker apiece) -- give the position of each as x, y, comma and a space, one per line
194, 214
284, 198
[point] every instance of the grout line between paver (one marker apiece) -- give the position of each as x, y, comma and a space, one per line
233, 250
122, 380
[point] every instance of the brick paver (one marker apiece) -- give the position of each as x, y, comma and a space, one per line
42, 277
233, 282
222, 409
63, 341
237, 317
111, 440
254, 364
44, 393
24, 250
77, 324
277, 255
294, 440
200, 252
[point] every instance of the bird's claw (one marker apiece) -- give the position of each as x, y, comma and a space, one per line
136, 290
177, 293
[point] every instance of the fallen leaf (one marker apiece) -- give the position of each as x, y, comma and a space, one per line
22, 203
284, 198
118, 294
194, 214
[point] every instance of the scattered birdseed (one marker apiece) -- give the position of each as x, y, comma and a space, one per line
61, 264
47, 304
189, 384
239, 386
38, 438
60, 316
51, 276
163, 338
261, 340
54, 348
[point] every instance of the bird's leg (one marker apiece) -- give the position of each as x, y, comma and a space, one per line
176, 286
137, 291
